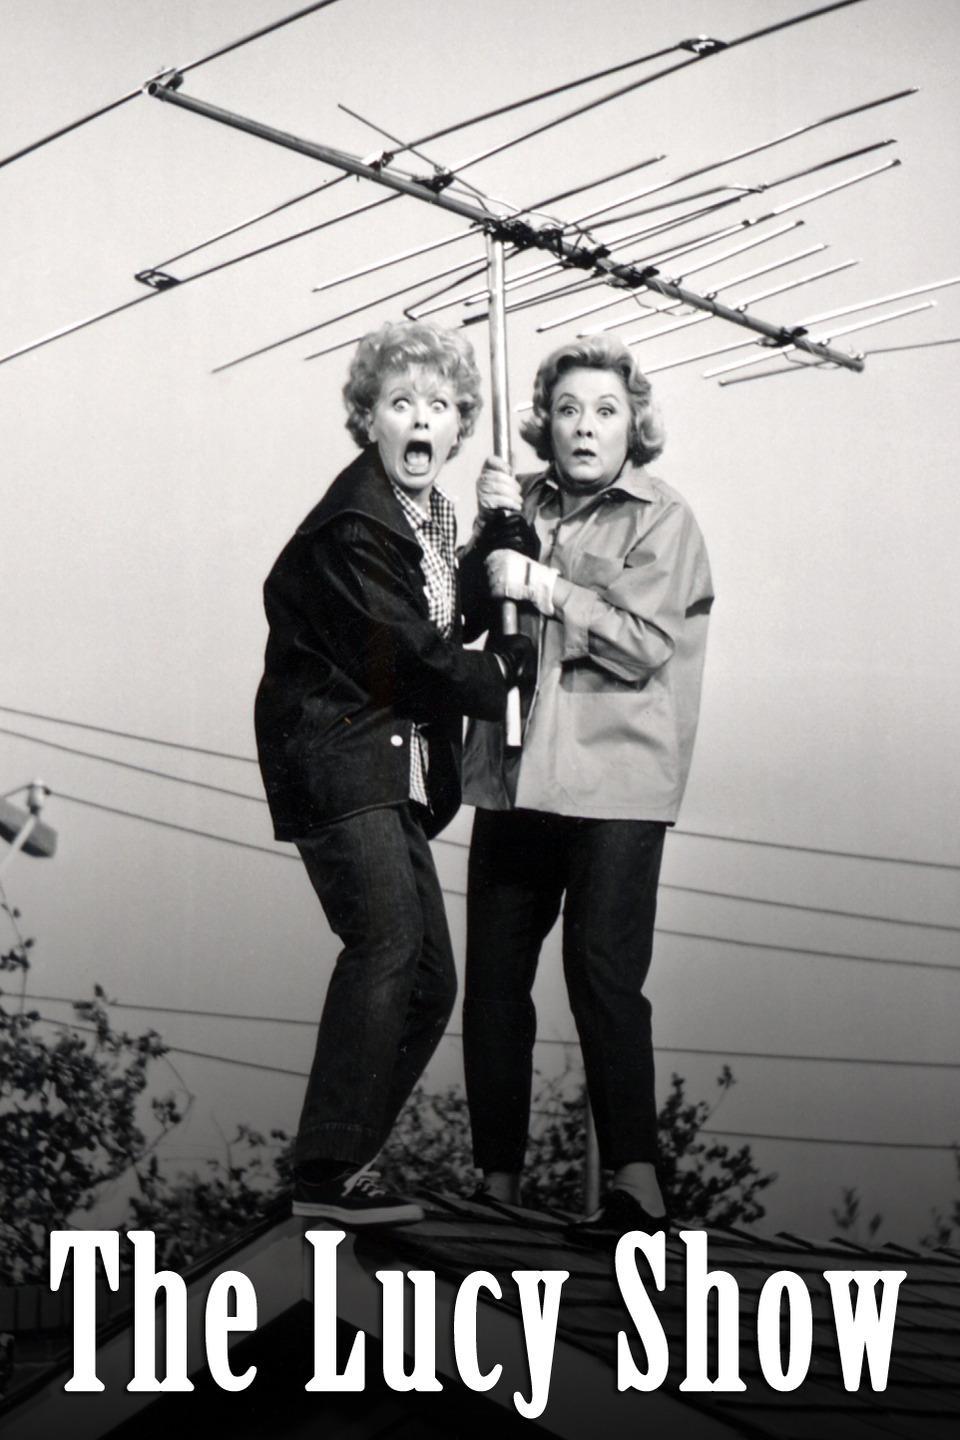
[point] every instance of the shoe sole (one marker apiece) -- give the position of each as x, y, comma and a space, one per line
388, 1215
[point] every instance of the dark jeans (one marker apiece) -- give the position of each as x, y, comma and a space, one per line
522, 863
393, 988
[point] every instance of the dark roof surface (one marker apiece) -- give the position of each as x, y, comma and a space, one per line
459, 1237
922, 1397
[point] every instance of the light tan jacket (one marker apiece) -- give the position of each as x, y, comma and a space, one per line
609, 733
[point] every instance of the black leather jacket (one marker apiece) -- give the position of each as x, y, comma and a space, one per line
353, 660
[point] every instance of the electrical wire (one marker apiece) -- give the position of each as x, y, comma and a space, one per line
140, 769
719, 1054
127, 735
816, 850
170, 825
704, 1130
807, 950
679, 831
827, 1140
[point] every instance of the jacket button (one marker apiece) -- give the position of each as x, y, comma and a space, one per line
396, 739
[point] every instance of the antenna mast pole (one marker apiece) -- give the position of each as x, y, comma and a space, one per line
500, 398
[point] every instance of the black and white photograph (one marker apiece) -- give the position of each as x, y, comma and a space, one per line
478, 722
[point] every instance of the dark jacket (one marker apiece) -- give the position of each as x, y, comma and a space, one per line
353, 660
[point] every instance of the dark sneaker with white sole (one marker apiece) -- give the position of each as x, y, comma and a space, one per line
619, 1214
354, 1200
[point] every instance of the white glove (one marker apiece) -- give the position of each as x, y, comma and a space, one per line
497, 489
514, 577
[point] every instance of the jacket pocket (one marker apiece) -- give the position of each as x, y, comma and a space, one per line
597, 572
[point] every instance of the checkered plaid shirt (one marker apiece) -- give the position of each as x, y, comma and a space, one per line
437, 537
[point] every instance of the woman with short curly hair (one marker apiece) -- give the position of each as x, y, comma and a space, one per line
358, 719
617, 594
645, 437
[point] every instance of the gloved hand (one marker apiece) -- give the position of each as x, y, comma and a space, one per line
505, 530
518, 656
514, 577
497, 487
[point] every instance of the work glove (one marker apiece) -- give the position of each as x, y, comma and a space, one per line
514, 577
497, 486
518, 658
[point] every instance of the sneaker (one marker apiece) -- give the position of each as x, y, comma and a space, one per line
619, 1214
354, 1200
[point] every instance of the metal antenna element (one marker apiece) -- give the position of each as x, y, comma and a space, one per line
753, 150
160, 284
376, 265
595, 259
831, 335
663, 257
689, 270
530, 276
717, 48
182, 70
745, 190
332, 319
742, 304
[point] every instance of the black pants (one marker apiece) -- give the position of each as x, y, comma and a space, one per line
522, 865
393, 987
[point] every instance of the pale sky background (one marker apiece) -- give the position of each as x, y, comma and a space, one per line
146, 499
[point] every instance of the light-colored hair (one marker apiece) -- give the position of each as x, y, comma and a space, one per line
596, 352
395, 347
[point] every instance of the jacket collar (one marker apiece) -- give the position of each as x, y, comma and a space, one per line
632, 481
362, 489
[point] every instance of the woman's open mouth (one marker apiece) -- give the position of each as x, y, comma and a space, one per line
418, 457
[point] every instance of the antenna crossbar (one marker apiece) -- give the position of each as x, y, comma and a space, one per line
506, 229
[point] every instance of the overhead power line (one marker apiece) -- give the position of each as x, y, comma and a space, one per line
818, 850
170, 825
457, 844
128, 735
719, 1054
678, 830
127, 765
705, 1130
808, 950
828, 1140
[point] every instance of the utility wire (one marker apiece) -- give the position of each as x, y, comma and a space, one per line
718, 1054
807, 950
808, 909
461, 845
828, 1140
464, 845
169, 825
818, 850
729, 1134
127, 735
140, 769
181, 69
